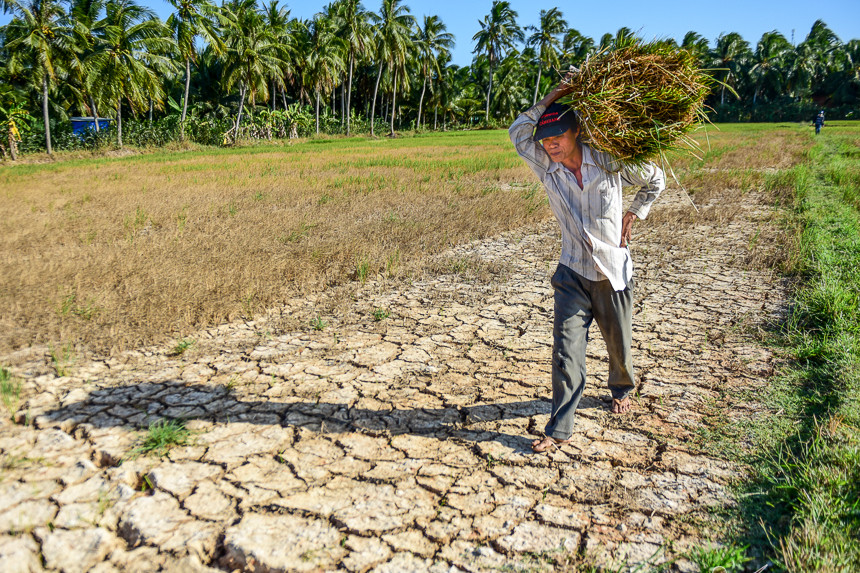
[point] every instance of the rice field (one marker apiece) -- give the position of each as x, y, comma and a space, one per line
108, 253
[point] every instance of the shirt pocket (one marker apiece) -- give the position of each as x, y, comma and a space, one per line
608, 199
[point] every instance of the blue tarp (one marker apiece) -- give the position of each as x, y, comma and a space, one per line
80, 125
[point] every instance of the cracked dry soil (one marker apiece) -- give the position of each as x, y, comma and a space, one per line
400, 444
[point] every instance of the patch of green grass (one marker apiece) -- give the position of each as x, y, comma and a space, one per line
380, 314
182, 346
318, 323
62, 358
298, 234
362, 269
70, 306
161, 436
10, 391
720, 559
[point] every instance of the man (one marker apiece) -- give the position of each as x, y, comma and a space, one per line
594, 279
819, 122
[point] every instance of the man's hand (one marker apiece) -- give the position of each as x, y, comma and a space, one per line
561, 90
627, 228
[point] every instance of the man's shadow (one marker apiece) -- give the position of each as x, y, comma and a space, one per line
135, 406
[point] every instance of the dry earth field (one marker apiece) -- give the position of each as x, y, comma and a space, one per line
357, 334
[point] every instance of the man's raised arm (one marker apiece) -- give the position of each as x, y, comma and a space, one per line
522, 130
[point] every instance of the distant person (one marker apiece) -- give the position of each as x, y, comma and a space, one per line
594, 278
819, 122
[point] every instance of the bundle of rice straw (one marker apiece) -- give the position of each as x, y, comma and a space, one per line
639, 101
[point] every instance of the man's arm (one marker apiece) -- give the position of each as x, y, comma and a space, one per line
651, 182
522, 130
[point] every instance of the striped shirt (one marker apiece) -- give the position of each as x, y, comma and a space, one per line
590, 217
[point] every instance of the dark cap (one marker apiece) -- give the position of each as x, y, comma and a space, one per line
555, 120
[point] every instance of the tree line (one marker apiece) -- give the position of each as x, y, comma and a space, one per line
215, 74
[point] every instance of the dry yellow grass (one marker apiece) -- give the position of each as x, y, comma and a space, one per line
117, 252
111, 253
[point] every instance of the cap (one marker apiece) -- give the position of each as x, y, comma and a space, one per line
555, 120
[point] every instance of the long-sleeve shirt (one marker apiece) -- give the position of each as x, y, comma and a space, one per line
590, 217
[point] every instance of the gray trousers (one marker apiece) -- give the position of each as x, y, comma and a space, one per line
577, 302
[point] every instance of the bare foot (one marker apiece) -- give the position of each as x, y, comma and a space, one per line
621, 406
547, 443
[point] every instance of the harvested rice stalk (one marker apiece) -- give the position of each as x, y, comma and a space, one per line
639, 101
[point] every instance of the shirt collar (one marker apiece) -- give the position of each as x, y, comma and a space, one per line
587, 158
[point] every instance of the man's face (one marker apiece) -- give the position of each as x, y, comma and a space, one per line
560, 147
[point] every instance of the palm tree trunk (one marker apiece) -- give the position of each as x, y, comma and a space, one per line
284, 98
45, 115
318, 111
723, 94
185, 98
187, 89
239, 115
274, 95
119, 123
534, 100
349, 92
421, 101
435, 117
342, 103
489, 91
393, 103
150, 112
375, 90
95, 114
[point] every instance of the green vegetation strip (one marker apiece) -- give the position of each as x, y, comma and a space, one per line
801, 509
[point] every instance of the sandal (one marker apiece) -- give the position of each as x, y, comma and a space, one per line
547, 443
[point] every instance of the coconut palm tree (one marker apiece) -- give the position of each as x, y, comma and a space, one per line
433, 40
511, 94
130, 50
324, 58
499, 31
83, 15
252, 54
545, 38
847, 80
824, 47
730, 56
768, 62
353, 28
697, 45
576, 47
192, 19
393, 27
277, 18
38, 41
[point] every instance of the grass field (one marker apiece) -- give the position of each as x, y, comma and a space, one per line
803, 504
108, 253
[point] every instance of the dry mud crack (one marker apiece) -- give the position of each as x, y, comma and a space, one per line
400, 444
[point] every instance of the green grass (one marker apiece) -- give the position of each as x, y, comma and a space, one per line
10, 391
161, 436
182, 346
801, 508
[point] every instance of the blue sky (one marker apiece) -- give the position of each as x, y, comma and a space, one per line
652, 19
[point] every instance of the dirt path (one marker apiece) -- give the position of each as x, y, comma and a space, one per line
400, 444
